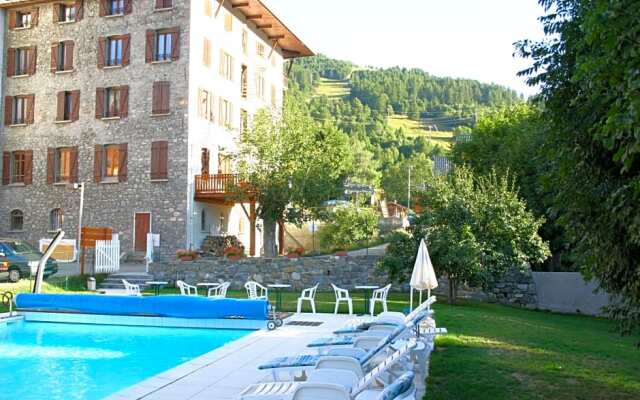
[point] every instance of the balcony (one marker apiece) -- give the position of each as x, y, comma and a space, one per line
222, 188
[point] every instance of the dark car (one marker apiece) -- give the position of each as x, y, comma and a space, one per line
19, 260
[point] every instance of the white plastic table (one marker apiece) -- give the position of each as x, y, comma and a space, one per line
278, 287
365, 290
157, 285
208, 285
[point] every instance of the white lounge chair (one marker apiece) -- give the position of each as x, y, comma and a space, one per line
342, 295
131, 289
219, 292
256, 291
309, 295
379, 296
186, 289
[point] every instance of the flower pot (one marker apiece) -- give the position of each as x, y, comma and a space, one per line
186, 258
293, 255
341, 254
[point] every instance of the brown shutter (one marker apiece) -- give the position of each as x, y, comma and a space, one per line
28, 167
68, 55
31, 100
208, 11
35, 16
166, 97
148, 52
124, 101
33, 60
12, 19
103, 7
11, 61
79, 5
75, 105
123, 172
54, 57
6, 168
99, 103
159, 159
56, 13
128, 6
175, 43
73, 177
60, 107
102, 49
51, 165
156, 98
206, 53
8, 110
97, 164
126, 49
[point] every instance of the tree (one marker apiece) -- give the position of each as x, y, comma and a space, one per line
588, 72
395, 181
366, 168
348, 226
294, 165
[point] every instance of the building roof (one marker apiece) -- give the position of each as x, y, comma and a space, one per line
254, 11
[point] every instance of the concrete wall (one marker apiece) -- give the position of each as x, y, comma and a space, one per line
568, 292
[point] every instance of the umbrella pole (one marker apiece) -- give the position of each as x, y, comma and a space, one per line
420, 297
411, 300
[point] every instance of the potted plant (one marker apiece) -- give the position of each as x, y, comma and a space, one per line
234, 253
186, 255
295, 253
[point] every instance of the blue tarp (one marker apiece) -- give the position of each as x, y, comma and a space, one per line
160, 306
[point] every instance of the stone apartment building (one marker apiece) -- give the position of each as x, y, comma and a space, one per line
144, 102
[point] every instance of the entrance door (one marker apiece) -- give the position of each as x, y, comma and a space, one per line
142, 227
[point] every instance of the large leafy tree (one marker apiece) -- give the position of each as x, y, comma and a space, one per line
588, 72
293, 164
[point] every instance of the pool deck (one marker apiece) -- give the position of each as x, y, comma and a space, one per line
224, 373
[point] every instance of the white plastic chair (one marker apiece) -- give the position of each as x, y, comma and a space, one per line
379, 296
342, 295
219, 292
256, 291
308, 294
131, 289
186, 289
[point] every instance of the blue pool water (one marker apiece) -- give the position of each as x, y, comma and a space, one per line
71, 361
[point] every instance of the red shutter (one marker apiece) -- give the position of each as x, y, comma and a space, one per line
51, 165
35, 16
11, 61
54, 57
8, 110
75, 105
56, 13
126, 49
159, 160
60, 106
103, 8
102, 49
175, 43
148, 52
73, 177
68, 55
28, 167
124, 101
79, 5
99, 103
33, 60
123, 154
6, 168
97, 164
31, 100
12, 19
128, 7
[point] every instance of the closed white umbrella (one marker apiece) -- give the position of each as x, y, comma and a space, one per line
423, 276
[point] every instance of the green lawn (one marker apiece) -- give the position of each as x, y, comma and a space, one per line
333, 88
415, 129
495, 352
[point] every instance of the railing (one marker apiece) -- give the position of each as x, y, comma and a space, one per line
7, 299
217, 184
107, 255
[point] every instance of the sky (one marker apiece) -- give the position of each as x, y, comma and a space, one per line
455, 38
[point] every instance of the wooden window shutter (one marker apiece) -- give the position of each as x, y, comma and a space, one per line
33, 60
155, 98
148, 52
73, 176
31, 100
56, 12
79, 5
206, 54
11, 61
123, 154
126, 49
103, 8
97, 164
102, 50
208, 10
159, 4
54, 57
28, 167
175, 43
99, 103
124, 101
166, 97
75, 105
35, 13
68, 53
60, 106
51, 165
128, 6
6, 168
11, 16
222, 62
159, 160
8, 110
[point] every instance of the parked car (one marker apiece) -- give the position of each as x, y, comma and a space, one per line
19, 260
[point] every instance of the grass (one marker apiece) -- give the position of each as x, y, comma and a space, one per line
333, 88
414, 128
495, 352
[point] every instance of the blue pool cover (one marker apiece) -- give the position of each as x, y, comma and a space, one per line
160, 306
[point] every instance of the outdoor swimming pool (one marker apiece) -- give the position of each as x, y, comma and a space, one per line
57, 361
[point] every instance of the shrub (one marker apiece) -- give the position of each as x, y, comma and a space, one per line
234, 251
348, 226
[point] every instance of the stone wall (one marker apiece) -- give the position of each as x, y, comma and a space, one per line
517, 288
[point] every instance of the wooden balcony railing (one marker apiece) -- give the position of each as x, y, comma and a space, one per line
217, 184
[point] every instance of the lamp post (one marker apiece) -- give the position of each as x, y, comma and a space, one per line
409, 190
80, 186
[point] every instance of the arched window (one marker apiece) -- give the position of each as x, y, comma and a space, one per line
56, 218
203, 221
16, 222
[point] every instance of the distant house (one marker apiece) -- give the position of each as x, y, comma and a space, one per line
463, 138
441, 165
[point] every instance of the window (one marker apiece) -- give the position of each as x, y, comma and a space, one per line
18, 110
244, 82
226, 114
62, 56
115, 7
63, 165
23, 19
114, 51
208, 10
21, 61
204, 162
162, 45
161, 97
260, 50
110, 163
203, 221
66, 13
16, 222
245, 42
112, 102
159, 160
224, 164
164, 4
205, 105
226, 65
244, 121
228, 22
260, 83
68, 106
19, 115
56, 219
206, 53
17, 167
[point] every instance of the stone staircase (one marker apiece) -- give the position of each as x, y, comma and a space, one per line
114, 281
